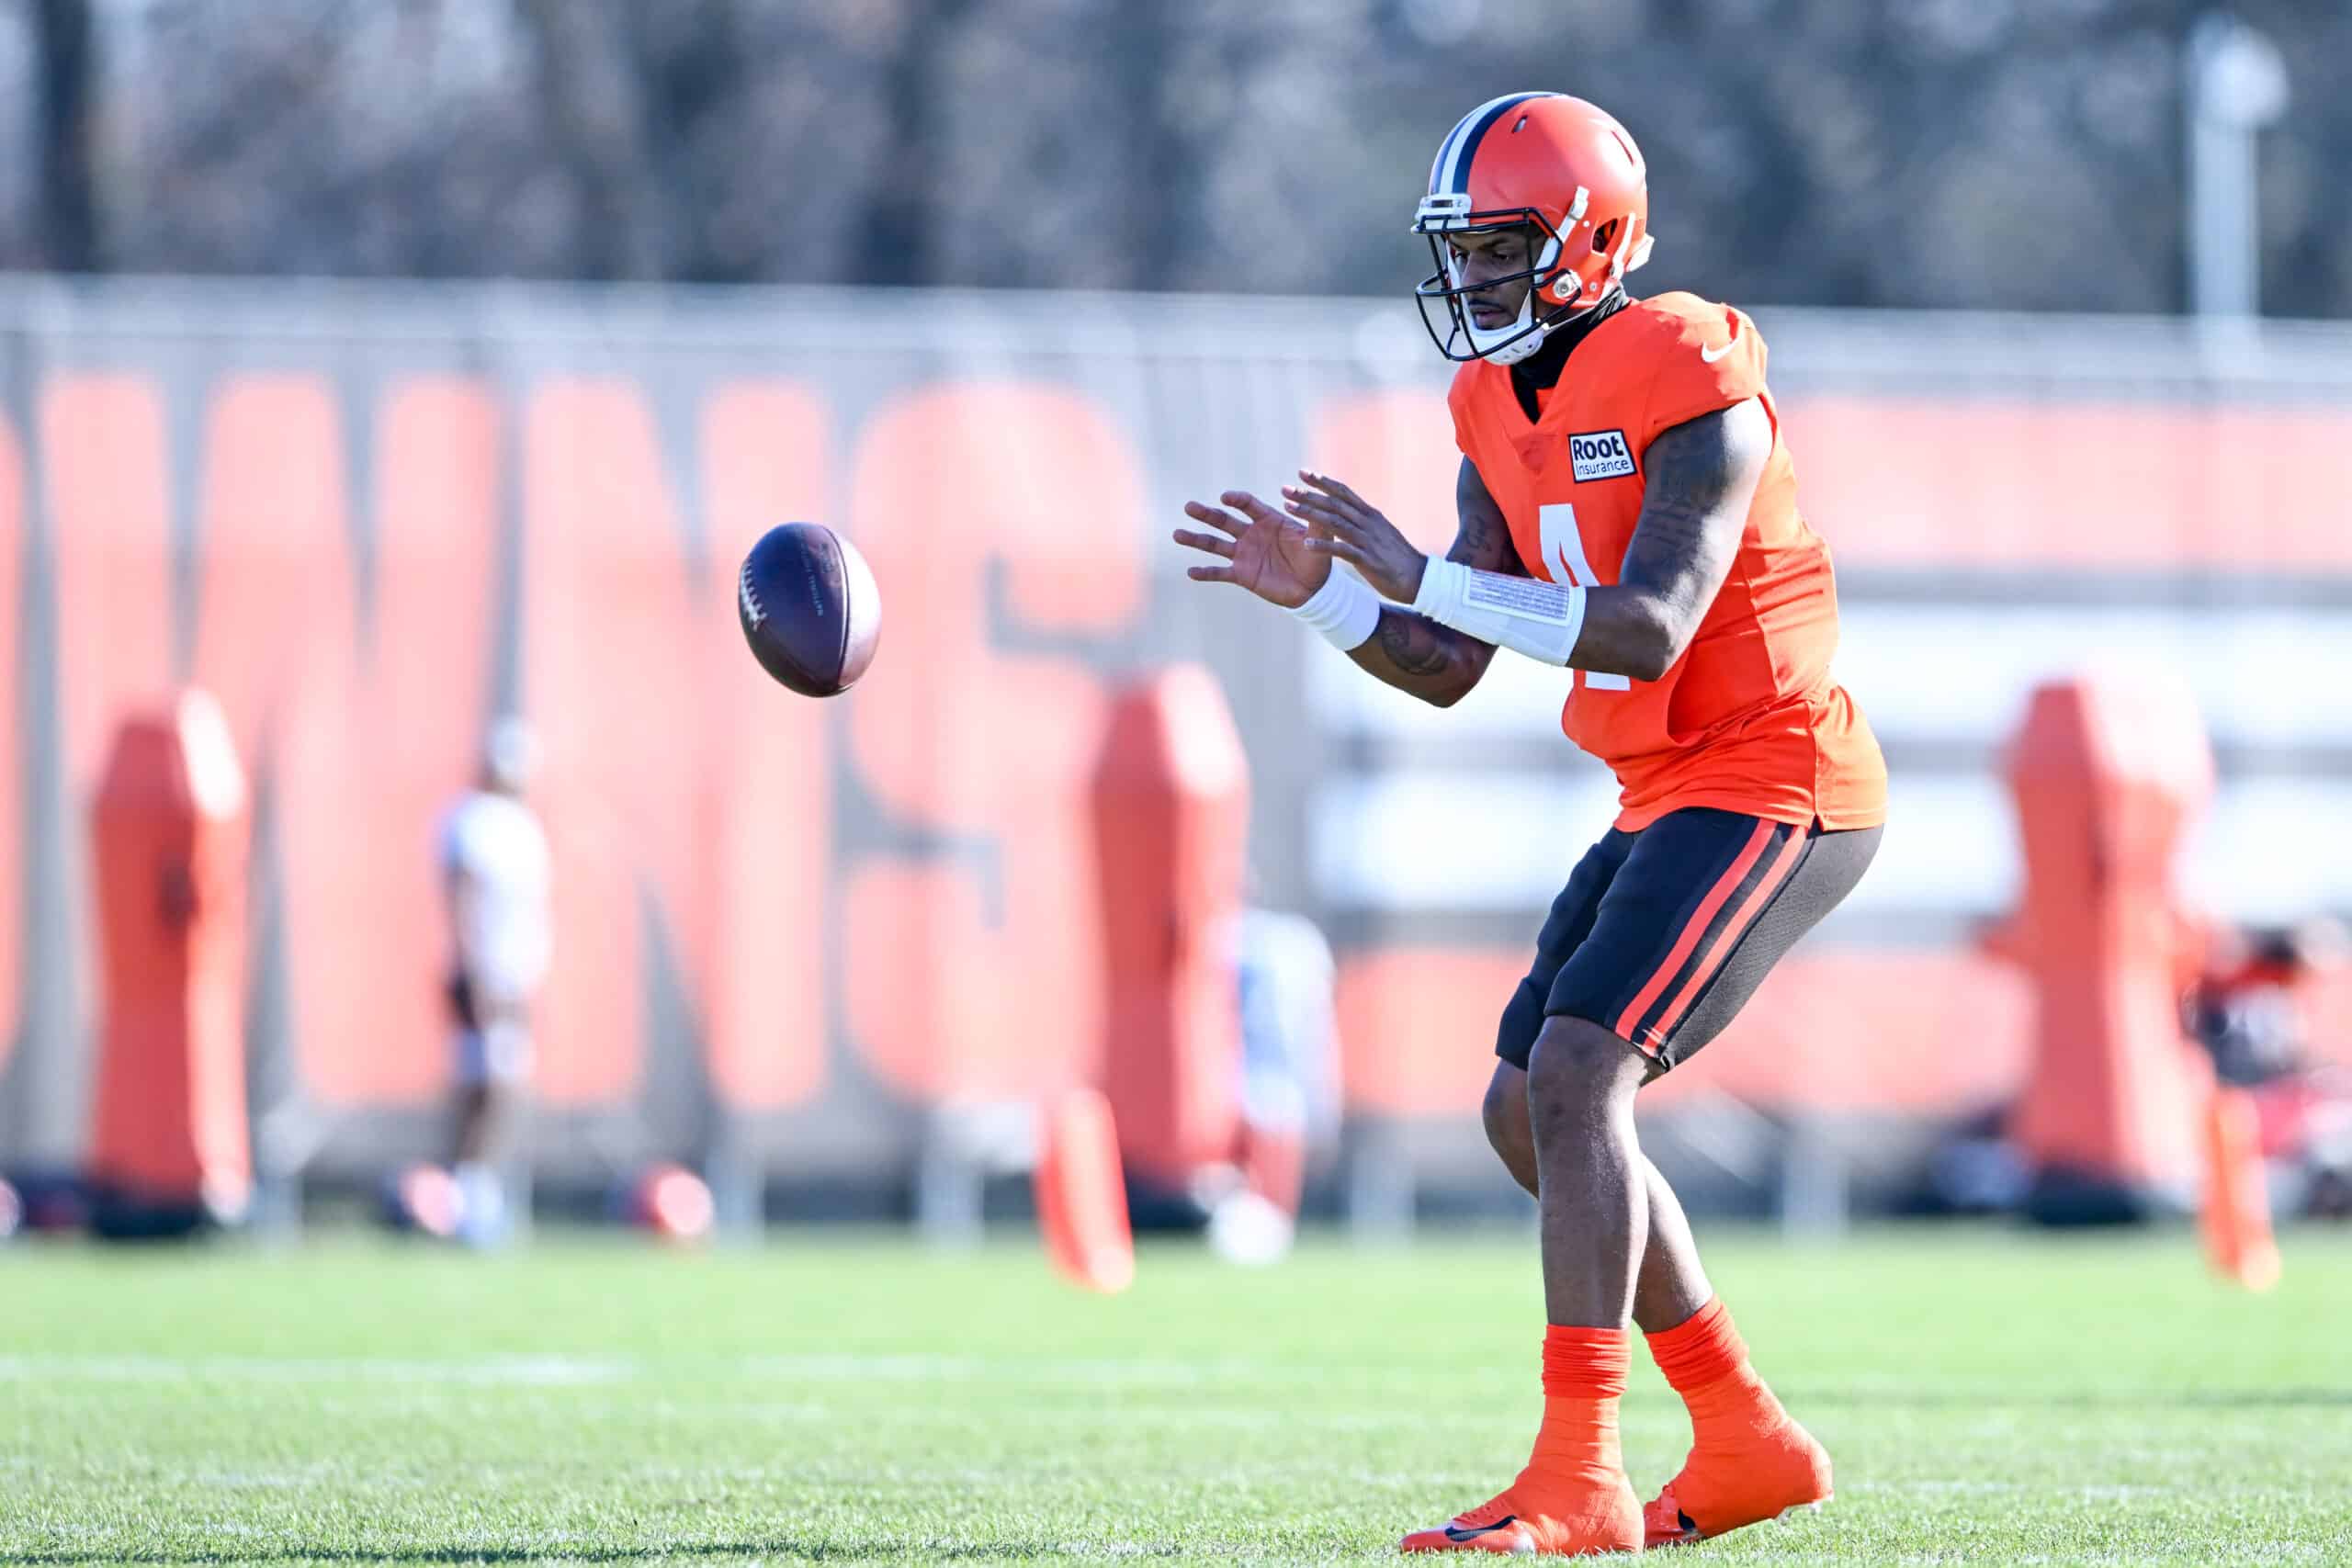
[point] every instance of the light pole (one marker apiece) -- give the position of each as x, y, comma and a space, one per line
2237, 84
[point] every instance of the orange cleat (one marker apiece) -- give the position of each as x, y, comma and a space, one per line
1777, 1473
1582, 1526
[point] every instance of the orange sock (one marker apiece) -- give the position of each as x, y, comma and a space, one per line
1706, 1362
1749, 1460
1576, 1451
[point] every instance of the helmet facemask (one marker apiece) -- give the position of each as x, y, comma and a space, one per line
1442, 218
1557, 291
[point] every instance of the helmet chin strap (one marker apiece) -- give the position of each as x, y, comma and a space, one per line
1519, 349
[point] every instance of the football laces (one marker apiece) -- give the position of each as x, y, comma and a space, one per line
753, 609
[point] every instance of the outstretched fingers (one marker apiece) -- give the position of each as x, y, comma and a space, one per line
1336, 547
1215, 517
1337, 487
1249, 506
1214, 543
1317, 512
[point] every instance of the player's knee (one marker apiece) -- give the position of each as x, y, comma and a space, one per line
1505, 1112
1578, 1070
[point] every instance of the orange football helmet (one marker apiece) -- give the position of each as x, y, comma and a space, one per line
1540, 160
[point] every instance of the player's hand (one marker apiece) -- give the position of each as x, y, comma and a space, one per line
1341, 522
1265, 552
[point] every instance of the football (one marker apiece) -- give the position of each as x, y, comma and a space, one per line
809, 608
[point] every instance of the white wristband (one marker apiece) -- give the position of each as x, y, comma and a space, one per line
1345, 610
1542, 620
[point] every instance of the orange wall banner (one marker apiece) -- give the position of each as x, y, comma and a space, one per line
369, 533
765, 806
1887, 1032
973, 966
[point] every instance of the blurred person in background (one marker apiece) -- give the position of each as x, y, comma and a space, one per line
1284, 976
493, 861
2251, 1008
2249, 1005
1639, 433
1284, 1076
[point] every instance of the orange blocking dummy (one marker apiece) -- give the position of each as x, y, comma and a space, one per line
2110, 774
1171, 810
168, 1148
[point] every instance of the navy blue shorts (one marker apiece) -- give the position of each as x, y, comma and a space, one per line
1661, 936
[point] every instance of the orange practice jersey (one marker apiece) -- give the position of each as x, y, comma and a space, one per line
1747, 719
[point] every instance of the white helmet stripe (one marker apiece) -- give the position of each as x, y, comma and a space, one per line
1441, 169
1451, 173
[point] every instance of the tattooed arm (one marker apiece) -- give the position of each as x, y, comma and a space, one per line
1436, 663
1697, 478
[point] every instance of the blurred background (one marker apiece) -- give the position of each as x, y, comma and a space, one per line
391, 372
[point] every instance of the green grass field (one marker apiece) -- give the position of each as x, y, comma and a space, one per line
1988, 1399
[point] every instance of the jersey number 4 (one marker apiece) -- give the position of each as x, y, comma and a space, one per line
1564, 561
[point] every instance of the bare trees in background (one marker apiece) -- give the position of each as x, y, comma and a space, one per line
65, 60
1943, 152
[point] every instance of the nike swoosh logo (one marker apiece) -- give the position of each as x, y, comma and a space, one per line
1455, 1532
1709, 355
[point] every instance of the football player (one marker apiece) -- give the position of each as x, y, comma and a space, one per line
1627, 511
494, 866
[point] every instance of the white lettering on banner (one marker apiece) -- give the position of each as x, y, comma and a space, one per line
1563, 553
1600, 454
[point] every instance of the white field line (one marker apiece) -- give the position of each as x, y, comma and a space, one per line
537, 1370
565, 1370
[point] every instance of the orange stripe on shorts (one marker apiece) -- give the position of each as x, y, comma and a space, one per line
1778, 872
1692, 929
